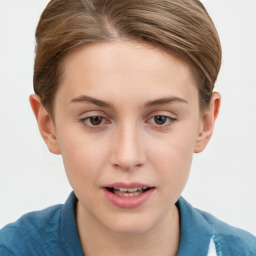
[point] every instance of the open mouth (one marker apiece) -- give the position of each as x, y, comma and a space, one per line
128, 195
128, 192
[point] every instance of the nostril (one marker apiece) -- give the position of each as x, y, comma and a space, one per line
127, 164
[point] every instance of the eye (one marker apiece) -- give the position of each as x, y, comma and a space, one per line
161, 120
93, 121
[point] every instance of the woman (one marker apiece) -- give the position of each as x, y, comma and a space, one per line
124, 92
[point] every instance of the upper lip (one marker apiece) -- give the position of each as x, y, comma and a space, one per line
127, 185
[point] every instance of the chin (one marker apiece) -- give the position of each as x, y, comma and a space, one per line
130, 224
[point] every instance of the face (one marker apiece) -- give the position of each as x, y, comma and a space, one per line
127, 122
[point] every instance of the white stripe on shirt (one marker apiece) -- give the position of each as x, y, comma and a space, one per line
212, 249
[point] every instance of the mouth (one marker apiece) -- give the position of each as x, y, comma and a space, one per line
124, 195
128, 192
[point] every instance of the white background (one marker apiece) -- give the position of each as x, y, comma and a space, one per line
223, 177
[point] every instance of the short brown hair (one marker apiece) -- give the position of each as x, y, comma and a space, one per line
181, 27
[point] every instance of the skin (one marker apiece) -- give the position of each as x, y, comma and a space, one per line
134, 83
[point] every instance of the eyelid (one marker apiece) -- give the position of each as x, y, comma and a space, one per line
83, 118
172, 118
91, 127
162, 113
168, 117
92, 113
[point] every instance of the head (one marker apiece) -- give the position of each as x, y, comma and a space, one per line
182, 28
124, 91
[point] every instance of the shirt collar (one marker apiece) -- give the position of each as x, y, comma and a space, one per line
68, 227
195, 231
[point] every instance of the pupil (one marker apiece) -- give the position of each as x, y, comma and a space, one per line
160, 119
96, 120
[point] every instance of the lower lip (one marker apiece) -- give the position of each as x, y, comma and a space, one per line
128, 202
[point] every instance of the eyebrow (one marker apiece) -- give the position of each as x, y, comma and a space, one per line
163, 101
92, 100
150, 103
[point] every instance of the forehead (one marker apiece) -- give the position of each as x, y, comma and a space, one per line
116, 68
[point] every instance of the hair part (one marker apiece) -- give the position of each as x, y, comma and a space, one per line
182, 28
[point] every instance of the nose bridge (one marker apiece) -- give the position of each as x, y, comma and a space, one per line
128, 149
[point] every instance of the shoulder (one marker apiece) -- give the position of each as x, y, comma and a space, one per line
30, 232
52, 231
228, 238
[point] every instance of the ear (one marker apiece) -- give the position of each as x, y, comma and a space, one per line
208, 120
45, 124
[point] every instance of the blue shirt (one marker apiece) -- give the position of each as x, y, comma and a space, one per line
53, 231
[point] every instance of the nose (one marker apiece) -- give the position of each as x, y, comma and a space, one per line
127, 148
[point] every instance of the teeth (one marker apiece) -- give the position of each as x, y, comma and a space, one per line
131, 194
131, 190
128, 192
123, 189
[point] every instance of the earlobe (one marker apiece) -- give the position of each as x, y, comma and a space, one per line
209, 118
45, 124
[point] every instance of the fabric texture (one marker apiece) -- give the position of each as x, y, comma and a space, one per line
49, 232
198, 228
53, 231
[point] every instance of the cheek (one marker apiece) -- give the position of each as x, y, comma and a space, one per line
175, 150
172, 160
83, 158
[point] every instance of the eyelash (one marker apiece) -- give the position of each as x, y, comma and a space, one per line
85, 121
104, 121
171, 120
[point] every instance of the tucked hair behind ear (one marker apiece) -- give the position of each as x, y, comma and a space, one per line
180, 27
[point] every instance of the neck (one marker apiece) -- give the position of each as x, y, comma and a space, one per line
97, 240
